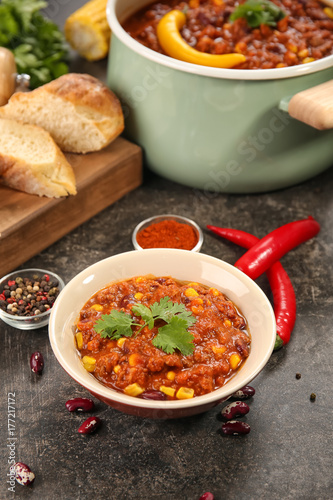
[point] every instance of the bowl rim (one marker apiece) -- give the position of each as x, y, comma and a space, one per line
106, 393
186, 220
22, 319
221, 73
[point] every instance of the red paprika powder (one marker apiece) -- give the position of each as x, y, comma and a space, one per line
168, 234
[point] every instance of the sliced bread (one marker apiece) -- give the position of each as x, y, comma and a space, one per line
30, 161
80, 113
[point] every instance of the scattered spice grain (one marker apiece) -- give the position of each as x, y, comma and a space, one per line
298, 376
313, 396
168, 234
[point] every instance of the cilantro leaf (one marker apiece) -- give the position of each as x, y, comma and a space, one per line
257, 12
114, 325
175, 335
145, 313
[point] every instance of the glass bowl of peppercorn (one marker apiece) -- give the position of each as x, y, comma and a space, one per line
27, 297
168, 231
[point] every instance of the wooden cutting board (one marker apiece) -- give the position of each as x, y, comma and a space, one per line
29, 224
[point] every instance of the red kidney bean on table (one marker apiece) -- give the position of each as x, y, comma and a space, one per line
207, 496
245, 392
80, 404
90, 425
37, 362
235, 427
23, 474
235, 409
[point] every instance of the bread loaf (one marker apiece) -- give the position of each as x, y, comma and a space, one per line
80, 113
30, 161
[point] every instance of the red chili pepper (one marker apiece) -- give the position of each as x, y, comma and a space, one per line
282, 289
275, 245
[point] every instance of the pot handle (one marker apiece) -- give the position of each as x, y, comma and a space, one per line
313, 106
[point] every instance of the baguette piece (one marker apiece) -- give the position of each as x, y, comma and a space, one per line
79, 111
30, 161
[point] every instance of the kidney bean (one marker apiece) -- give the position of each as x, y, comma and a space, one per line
207, 496
90, 425
236, 409
235, 427
23, 474
80, 404
153, 394
245, 392
37, 362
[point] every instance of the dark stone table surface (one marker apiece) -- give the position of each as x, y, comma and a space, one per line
287, 455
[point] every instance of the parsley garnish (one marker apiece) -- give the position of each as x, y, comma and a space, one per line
257, 12
174, 335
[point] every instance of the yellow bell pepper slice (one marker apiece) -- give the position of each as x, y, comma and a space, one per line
171, 41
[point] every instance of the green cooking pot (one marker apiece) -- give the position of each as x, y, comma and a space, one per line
222, 130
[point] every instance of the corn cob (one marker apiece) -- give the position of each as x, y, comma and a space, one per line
88, 32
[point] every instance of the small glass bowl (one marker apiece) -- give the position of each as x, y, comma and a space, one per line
28, 322
159, 218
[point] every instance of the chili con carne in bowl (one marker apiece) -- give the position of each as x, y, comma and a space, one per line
168, 231
162, 333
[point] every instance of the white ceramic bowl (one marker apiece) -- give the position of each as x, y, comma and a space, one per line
181, 264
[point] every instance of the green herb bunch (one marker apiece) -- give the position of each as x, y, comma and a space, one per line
257, 12
172, 335
39, 47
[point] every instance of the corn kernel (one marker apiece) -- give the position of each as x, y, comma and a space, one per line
120, 342
303, 53
139, 279
89, 363
90, 368
134, 359
197, 309
97, 307
138, 296
79, 340
281, 65
88, 359
227, 322
190, 292
185, 393
169, 391
197, 302
308, 60
234, 361
219, 350
214, 292
193, 283
218, 2
133, 390
329, 12
171, 376
116, 369
194, 4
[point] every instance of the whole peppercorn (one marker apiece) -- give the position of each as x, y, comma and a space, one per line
28, 296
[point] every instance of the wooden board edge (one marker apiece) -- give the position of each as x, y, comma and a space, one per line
59, 219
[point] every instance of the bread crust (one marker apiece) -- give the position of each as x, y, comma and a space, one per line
89, 103
53, 178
